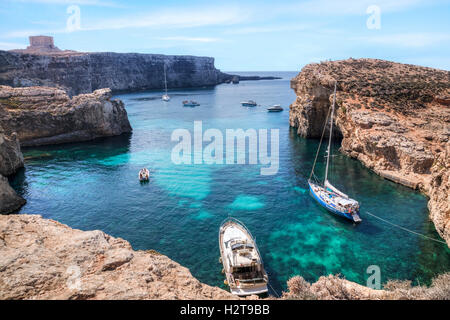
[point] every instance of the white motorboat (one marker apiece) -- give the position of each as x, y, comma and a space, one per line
144, 175
242, 263
249, 103
275, 108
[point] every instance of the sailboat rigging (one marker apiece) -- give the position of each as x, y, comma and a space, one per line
165, 96
327, 195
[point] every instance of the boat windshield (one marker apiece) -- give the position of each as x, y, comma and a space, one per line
247, 273
241, 246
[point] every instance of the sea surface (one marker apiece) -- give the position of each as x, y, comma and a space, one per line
94, 185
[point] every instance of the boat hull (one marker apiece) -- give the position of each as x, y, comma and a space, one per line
240, 287
330, 207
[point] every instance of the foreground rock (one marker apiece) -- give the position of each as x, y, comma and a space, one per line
43, 115
393, 117
336, 288
43, 259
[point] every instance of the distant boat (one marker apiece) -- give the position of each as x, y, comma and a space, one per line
325, 193
144, 175
249, 103
191, 103
275, 108
242, 263
165, 96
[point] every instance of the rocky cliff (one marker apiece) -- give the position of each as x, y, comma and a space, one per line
78, 72
44, 259
44, 115
393, 117
11, 159
336, 288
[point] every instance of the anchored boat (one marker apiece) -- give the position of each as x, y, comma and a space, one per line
249, 103
275, 108
165, 96
191, 103
325, 193
242, 263
144, 175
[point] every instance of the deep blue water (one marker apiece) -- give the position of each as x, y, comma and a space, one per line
93, 185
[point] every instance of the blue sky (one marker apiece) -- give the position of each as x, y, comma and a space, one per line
241, 35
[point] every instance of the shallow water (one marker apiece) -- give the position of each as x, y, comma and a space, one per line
94, 185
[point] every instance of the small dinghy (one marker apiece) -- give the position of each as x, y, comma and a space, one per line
242, 263
275, 108
191, 103
144, 175
249, 103
326, 194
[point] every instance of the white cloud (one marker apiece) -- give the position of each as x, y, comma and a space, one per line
409, 40
268, 29
11, 45
191, 39
352, 7
99, 3
180, 18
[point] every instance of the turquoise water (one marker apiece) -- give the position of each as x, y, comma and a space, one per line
94, 185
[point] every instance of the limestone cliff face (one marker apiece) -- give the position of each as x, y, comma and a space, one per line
11, 159
43, 115
78, 72
43, 259
393, 117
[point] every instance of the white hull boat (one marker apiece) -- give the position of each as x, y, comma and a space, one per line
275, 108
144, 175
242, 263
165, 96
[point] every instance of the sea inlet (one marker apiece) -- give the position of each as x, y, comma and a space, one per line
94, 185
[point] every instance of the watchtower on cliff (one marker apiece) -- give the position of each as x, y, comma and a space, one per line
42, 43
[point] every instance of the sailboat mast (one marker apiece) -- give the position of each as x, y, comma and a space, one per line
331, 132
165, 79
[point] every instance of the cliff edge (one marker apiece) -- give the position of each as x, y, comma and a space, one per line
43, 115
44, 259
393, 117
82, 72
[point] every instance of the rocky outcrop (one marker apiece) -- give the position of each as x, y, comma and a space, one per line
392, 117
336, 288
43, 259
11, 159
9, 200
78, 72
44, 115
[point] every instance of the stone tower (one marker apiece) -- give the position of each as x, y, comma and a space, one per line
42, 43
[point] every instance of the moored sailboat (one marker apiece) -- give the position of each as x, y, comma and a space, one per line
165, 96
325, 193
